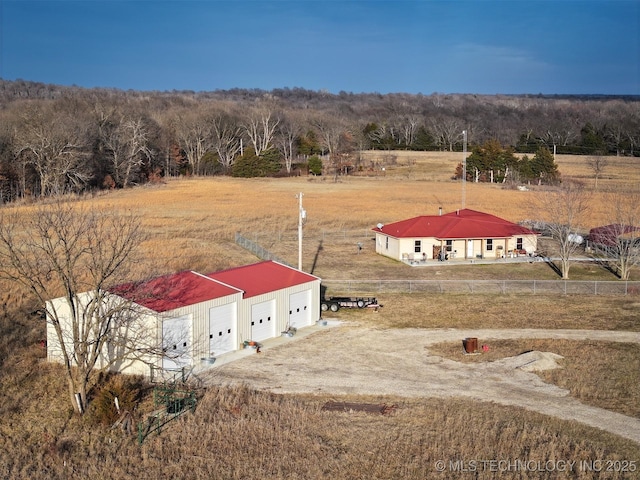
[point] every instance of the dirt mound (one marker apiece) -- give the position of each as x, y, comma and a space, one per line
533, 361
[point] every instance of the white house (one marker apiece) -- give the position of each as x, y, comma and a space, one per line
462, 234
194, 317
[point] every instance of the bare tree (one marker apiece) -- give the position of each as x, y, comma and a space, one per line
53, 144
621, 239
597, 163
260, 127
287, 133
330, 131
448, 131
75, 255
408, 128
227, 139
194, 135
127, 144
564, 208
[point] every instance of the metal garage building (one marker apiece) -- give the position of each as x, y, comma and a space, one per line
275, 297
195, 316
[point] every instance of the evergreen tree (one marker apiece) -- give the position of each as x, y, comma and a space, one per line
424, 140
251, 165
308, 144
544, 168
488, 159
315, 165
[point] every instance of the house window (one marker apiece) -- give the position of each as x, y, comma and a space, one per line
519, 243
417, 248
489, 244
387, 243
449, 245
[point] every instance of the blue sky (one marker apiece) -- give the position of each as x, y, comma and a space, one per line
418, 46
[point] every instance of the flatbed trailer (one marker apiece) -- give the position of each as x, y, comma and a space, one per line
336, 303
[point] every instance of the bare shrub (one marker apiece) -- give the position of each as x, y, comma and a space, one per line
120, 393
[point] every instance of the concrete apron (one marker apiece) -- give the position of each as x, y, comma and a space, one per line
274, 342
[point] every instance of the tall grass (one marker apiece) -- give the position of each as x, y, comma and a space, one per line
238, 433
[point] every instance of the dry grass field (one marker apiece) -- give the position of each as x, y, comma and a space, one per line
237, 432
193, 221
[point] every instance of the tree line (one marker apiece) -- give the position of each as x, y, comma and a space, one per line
57, 139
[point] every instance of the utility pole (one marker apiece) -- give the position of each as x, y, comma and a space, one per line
464, 166
302, 215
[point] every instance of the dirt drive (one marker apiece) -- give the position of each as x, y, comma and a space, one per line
344, 358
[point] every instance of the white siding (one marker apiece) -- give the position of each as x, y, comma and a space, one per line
282, 303
300, 309
263, 320
200, 313
113, 356
177, 342
153, 327
222, 329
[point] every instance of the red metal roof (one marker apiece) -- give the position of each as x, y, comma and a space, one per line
189, 288
174, 291
608, 235
263, 277
464, 223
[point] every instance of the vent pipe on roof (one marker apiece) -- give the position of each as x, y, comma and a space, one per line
458, 212
439, 210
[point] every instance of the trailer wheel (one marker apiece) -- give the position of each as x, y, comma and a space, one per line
324, 307
360, 303
334, 307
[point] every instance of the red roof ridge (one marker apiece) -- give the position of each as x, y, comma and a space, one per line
465, 223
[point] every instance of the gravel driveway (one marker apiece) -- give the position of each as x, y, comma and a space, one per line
350, 359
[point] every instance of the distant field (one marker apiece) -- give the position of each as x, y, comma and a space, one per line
193, 220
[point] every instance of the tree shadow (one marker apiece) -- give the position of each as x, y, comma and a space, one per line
609, 268
553, 267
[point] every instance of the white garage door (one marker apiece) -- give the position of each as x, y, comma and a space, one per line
176, 342
263, 320
300, 309
222, 330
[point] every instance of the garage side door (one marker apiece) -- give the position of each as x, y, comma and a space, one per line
300, 309
176, 342
263, 320
222, 329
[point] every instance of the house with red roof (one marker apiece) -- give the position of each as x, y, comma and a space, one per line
461, 234
191, 318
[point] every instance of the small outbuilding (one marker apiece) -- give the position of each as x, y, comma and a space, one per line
462, 234
615, 235
187, 317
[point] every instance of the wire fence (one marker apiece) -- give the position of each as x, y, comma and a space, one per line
257, 250
327, 236
492, 287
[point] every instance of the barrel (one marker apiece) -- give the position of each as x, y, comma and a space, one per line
470, 345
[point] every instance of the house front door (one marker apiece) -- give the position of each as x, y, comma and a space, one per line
469, 248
